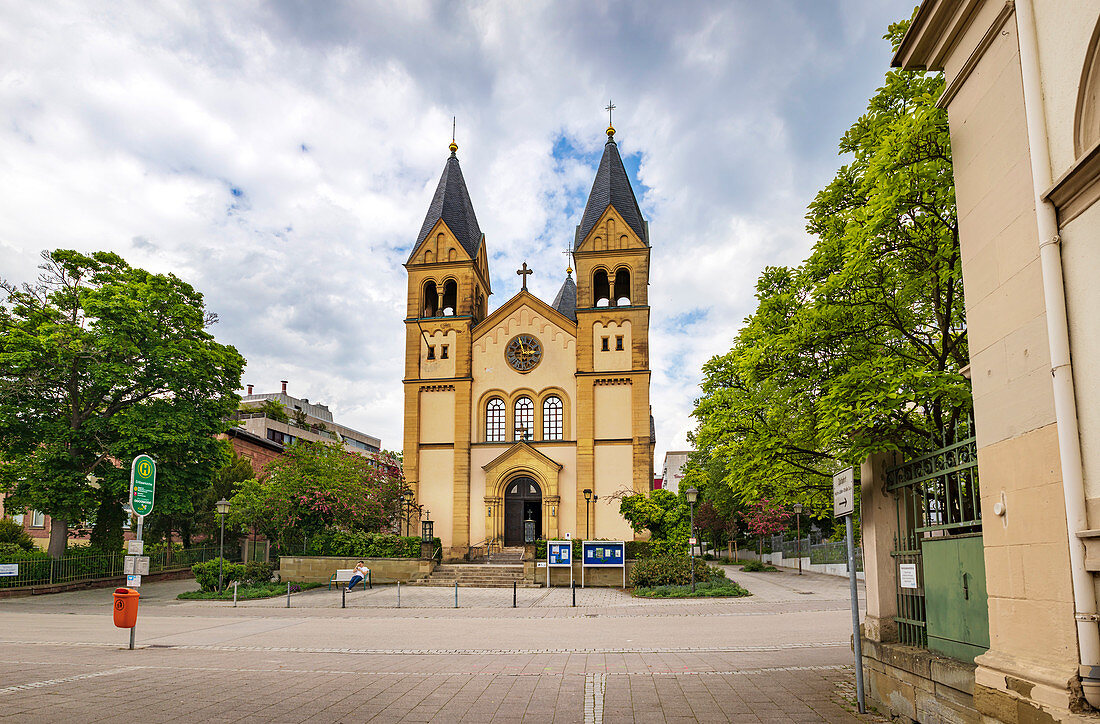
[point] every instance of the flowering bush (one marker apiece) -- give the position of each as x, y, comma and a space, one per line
767, 517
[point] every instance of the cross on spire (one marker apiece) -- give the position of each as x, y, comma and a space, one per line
568, 260
523, 273
609, 107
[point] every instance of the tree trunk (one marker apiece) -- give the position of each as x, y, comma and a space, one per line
59, 537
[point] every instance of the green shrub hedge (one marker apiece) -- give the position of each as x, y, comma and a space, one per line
671, 571
253, 573
13, 537
635, 549
365, 545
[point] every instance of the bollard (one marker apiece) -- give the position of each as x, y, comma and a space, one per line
573, 586
399, 594
234, 594
513, 594
132, 638
288, 594
456, 594
343, 596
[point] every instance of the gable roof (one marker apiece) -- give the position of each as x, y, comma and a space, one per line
452, 204
566, 301
611, 187
523, 298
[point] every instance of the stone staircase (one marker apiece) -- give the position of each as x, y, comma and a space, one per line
513, 556
476, 575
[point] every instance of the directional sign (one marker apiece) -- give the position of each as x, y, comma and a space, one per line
143, 475
844, 493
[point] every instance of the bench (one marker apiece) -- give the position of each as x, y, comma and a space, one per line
343, 575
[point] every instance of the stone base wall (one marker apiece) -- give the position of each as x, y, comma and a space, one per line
777, 559
596, 577
320, 569
916, 685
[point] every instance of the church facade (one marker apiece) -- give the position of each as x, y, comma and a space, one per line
536, 411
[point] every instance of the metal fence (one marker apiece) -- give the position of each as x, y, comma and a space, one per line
79, 565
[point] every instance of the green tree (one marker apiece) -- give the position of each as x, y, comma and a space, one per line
664, 514
859, 349
89, 352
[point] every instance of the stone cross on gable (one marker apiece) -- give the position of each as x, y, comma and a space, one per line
523, 273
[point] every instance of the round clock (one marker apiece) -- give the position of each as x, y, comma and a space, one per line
523, 352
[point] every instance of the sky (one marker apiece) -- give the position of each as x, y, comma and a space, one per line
280, 157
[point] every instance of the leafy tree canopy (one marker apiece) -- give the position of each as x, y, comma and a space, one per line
99, 361
664, 514
859, 349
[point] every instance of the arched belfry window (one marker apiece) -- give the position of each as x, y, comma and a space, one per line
525, 419
494, 420
553, 427
431, 300
622, 288
601, 289
450, 298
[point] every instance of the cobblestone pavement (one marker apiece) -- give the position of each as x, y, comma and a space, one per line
781, 655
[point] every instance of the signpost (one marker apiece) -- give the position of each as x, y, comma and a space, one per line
844, 506
143, 478
603, 554
559, 554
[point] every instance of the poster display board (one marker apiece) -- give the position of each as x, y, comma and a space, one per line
559, 554
603, 554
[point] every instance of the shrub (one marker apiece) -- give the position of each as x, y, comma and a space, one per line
257, 573
671, 571
757, 566
12, 533
206, 574
365, 545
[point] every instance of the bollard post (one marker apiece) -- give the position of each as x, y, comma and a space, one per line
513, 594
456, 594
132, 637
234, 594
343, 596
573, 585
288, 594
399, 594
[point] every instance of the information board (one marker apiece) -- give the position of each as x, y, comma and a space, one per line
143, 476
603, 553
136, 564
559, 554
133, 581
907, 573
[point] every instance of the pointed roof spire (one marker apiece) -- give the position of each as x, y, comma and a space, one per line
611, 188
566, 300
452, 204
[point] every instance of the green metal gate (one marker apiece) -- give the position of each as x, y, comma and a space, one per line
938, 551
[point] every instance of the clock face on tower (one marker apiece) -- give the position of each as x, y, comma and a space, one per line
523, 353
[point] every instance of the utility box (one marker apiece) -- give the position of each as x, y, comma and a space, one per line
955, 596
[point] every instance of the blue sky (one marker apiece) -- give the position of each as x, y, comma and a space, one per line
280, 156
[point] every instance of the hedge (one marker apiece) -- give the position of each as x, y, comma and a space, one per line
250, 574
671, 571
365, 545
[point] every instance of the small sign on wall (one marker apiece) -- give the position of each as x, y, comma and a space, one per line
907, 575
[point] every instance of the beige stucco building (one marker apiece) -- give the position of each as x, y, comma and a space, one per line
1023, 102
513, 415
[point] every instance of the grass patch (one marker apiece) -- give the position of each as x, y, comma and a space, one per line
710, 589
265, 590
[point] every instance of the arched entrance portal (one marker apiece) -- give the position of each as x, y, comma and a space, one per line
522, 501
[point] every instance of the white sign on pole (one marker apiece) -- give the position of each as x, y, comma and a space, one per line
136, 565
907, 572
135, 547
844, 493
133, 581
9, 569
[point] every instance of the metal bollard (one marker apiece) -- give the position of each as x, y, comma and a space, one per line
399, 594
573, 586
234, 594
513, 594
288, 594
343, 596
456, 594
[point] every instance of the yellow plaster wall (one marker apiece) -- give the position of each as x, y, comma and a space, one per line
436, 489
614, 473
613, 411
564, 454
438, 368
437, 416
613, 359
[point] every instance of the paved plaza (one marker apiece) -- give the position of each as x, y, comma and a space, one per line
781, 655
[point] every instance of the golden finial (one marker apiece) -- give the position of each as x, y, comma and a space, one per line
610, 127
569, 270
453, 146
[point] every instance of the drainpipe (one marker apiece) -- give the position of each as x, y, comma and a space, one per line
1065, 404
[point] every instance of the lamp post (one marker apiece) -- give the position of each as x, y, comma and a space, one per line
691, 494
798, 518
222, 507
587, 500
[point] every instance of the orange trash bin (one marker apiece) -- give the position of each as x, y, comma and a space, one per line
126, 607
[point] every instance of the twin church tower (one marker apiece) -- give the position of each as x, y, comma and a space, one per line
534, 411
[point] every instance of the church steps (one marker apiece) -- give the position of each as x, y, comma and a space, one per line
475, 575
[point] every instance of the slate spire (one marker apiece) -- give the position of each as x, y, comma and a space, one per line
452, 204
566, 300
611, 187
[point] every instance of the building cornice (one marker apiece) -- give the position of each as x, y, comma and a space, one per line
1078, 188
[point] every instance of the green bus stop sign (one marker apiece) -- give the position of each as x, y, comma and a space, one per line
143, 475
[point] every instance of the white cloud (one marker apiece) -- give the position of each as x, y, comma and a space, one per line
280, 157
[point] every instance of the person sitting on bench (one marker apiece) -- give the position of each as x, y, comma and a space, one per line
361, 572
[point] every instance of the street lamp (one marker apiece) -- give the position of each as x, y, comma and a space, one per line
691, 494
427, 529
798, 518
587, 500
222, 507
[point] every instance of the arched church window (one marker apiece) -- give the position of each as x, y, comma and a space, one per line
494, 420
552, 418
431, 300
601, 289
450, 298
1087, 124
525, 419
622, 288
